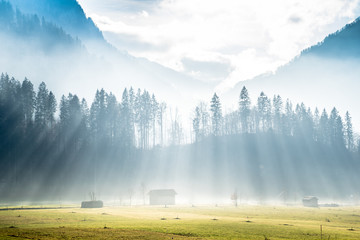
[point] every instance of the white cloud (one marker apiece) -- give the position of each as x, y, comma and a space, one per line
251, 36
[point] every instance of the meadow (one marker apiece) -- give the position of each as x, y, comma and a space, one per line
181, 222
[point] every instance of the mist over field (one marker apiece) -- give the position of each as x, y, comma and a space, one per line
79, 115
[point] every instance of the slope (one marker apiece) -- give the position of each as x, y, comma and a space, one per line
99, 65
325, 75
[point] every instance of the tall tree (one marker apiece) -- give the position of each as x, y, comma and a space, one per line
216, 115
28, 101
154, 113
324, 129
336, 128
204, 120
98, 117
161, 121
176, 131
244, 109
316, 124
349, 135
278, 108
41, 102
196, 123
50, 110
264, 108
288, 119
126, 125
112, 118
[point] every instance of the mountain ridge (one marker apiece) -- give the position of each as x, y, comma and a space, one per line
100, 66
325, 75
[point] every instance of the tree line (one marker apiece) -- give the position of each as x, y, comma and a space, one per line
138, 120
273, 115
60, 144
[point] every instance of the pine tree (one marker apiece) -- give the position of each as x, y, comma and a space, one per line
64, 113
85, 123
244, 109
161, 122
28, 101
336, 128
349, 135
98, 117
42, 100
132, 114
75, 117
126, 126
278, 105
339, 134
154, 113
176, 131
112, 118
288, 119
216, 115
196, 124
50, 110
264, 108
316, 124
324, 129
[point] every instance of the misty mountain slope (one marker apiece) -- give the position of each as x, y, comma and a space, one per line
324, 75
33, 30
84, 71
65, 13
344, 43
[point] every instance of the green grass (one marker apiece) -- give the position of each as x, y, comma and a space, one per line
243, 222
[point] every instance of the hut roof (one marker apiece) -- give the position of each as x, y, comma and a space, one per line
310, 198
162, 192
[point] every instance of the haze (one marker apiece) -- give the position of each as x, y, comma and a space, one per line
225, 42
207, 98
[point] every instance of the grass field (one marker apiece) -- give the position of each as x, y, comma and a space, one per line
243, 222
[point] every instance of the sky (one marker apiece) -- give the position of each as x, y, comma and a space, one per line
222, 42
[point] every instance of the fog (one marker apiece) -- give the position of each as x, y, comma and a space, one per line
316, 81
119, 145
42, 51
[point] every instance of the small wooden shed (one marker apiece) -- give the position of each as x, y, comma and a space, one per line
310, 201
162, 197
92, 204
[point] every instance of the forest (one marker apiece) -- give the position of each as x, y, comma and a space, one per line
68, 145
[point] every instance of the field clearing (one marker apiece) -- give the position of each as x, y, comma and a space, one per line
205, 222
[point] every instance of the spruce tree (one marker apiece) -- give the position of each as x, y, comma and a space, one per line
196, 124
50, 109
42, 99
244, 109
216, 115
278, 105
28, 101
161, 121
324, 129
264, 108
349, 135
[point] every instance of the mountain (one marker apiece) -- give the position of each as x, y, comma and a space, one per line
341, 44
67, 14
96, 64
31, 29
324, 75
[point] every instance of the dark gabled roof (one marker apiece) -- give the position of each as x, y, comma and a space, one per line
310, 198
162, 192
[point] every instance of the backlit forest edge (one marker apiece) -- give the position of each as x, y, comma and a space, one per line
113, 147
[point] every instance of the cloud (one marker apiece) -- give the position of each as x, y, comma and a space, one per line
131, 41
249, 37
210, 71
294, 19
